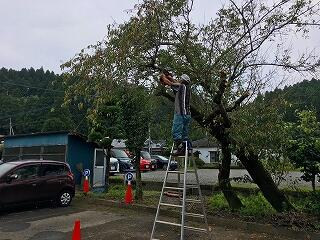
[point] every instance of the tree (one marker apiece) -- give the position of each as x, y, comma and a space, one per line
304, 145
135, 119
261, 124
161, 34
104, 123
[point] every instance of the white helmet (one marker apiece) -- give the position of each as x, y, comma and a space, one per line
185, 77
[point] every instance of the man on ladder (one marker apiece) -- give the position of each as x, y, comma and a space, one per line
181, 149
182, 114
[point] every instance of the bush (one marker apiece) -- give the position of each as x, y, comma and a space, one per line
256, 205
116, 191
309, 204
253, 205
218, 202
199, 163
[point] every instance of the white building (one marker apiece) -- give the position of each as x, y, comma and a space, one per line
209, 151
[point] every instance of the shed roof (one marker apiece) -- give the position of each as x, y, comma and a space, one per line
70, 133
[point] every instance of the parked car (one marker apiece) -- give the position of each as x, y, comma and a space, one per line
162, 162
146, 156
125, 163
114, 166
34, 181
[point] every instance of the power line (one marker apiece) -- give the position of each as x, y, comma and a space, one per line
28, 86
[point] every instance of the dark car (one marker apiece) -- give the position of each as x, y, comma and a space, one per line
162, 162
31, 181
125, 163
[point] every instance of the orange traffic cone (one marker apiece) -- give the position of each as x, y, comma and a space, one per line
128, 197
86, 185
76, 234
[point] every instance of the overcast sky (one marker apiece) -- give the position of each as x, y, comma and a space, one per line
46, 33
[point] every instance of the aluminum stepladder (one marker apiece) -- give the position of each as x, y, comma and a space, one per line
183, 201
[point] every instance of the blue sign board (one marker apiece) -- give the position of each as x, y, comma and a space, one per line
86, 172
129, 176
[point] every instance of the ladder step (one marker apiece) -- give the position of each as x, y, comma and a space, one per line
193, 201
174, 188
179, 225
169, 223
196, 229
172, 194
171, 205
195, 215
191, 186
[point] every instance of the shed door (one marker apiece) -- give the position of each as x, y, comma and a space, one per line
99, 168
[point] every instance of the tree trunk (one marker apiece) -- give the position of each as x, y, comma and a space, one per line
107, 173
224, 169
313, 182
264, 180
224, 179
139, 192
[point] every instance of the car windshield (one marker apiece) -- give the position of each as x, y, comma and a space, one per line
5, 167
117, 153
145, 155
162, 157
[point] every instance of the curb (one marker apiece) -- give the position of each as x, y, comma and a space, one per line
221, 222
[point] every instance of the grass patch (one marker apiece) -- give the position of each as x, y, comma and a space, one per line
253, 205
117, 192
256, 205
309, 204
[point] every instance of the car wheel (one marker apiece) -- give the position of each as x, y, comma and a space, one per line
65, 198
164, 167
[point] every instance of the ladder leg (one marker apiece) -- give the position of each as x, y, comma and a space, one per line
200, 195
161, 195
183, 214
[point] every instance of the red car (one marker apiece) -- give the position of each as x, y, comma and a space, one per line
32, 181
146, 157
145, 165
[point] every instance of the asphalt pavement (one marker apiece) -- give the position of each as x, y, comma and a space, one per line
101, 222
210, 177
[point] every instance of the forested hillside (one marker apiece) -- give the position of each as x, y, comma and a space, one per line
301, 96
33, 100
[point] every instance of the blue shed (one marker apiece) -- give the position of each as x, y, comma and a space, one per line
64, 146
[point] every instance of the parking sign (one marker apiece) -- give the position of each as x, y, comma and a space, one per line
86, 173
129, 176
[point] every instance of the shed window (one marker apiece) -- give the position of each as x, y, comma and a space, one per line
31, 150
33, 156
56, 153
99, 158
11, 154
60, 158
57, 149
12, 151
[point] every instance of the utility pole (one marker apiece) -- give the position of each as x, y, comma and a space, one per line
149, 145
11, 132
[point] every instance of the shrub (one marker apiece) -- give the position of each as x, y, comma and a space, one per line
218, 202
253, 205
199, 163
116, 191
309, 204
256, 205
